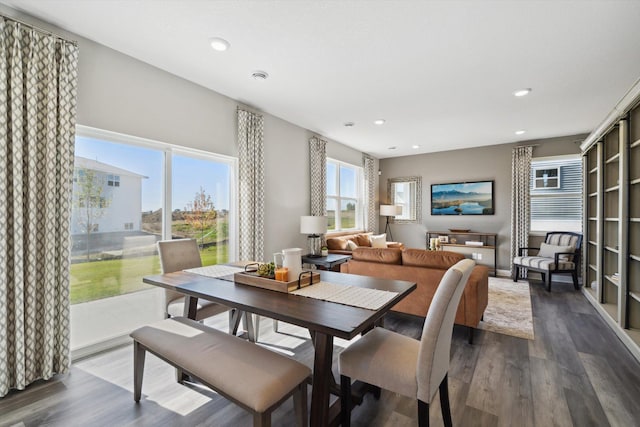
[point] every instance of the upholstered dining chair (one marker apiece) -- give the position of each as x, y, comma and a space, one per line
180, 254
404, 365
560, 253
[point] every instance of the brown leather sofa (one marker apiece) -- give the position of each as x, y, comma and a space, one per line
337, 242
426, 268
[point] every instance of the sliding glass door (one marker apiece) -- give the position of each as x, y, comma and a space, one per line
122, 187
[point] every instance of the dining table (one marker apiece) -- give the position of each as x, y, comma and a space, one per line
325, 320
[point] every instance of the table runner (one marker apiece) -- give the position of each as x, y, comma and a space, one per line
218, 271
355, 296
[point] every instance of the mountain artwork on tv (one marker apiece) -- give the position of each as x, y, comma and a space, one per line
464, 198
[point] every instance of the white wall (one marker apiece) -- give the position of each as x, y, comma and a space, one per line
475, 164
121, 94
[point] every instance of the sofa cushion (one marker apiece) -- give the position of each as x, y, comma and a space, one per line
362, 239
379, 241
441, 260
337, 243
378, 255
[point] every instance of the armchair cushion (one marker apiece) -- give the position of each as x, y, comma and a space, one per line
542, 263
549, 251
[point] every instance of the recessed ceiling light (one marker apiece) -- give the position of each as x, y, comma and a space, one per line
379, 122
415, 147
520, 132
349, 124
219, 44
260, 75
392, 147
522, 92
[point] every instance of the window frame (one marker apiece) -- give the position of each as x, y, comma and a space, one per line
557, 177
359, 197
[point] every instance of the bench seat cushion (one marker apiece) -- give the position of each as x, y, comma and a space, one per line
247, 373
542, 263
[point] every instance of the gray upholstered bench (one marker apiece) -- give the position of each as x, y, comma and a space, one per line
253, 377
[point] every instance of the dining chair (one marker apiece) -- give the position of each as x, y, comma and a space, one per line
404, 365
181, 254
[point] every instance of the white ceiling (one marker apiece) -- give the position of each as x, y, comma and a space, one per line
441, 73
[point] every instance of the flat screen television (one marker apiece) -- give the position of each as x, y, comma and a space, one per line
462, 198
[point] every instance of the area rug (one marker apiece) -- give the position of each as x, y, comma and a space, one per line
509, 309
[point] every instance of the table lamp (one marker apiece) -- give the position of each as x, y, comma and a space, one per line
389, 211
314, 226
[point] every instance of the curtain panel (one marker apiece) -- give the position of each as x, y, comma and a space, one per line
318, 172
251, 176
370, 193
520, 199
38, 81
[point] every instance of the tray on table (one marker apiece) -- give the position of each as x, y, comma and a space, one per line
253, 279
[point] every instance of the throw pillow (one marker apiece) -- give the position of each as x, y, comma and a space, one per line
549, 251
379, 241
351, 245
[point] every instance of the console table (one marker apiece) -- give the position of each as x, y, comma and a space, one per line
456, 241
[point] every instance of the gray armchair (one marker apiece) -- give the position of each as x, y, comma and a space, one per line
559, 254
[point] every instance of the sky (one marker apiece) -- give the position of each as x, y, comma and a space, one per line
189, 174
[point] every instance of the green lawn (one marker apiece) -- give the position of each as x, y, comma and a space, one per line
101, 279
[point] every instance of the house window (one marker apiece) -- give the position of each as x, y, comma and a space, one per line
113, 180
128, 226
344, 196
546, 178
556, 194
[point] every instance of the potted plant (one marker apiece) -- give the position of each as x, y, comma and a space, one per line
324, 251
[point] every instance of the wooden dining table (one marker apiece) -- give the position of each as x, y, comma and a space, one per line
324, 320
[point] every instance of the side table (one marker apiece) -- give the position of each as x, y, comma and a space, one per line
329, 262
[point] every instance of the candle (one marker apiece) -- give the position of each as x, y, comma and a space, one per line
282, 274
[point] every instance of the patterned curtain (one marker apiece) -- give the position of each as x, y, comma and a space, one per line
251, 159
520, 206
370, 195
318, 167
38, 79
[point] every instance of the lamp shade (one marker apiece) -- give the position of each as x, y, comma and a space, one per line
390, 210
313, 224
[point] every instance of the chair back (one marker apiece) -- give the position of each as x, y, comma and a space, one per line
566, 238
435, 344
176, 255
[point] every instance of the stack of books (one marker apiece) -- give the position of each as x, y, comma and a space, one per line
473, 243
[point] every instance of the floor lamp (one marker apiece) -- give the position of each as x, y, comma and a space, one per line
389, 211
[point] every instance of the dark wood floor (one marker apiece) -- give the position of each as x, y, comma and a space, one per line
575, 372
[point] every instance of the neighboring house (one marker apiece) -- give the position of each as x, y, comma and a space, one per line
121, 198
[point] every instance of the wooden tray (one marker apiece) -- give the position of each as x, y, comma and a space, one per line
252, 279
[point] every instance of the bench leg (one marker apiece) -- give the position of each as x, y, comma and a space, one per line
300, 405
138, 370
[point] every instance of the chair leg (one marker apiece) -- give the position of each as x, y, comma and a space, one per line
574, 275
547, 281
515, 273
234, 320
248, 325
345, 401
138, 370
471, 331
300, 405
444, 402
262, 419
423, 414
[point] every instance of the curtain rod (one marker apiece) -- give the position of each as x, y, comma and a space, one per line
40, 30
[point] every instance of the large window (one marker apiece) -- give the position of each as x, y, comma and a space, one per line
128, 193
556, 194
344, 196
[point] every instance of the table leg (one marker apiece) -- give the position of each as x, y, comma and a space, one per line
323, 344
190, 307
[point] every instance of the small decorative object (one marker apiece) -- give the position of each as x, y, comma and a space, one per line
453, 240
443, 239
432, 243
282, 274
324, 251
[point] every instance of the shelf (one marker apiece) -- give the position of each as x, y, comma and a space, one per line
634, 257
634, 181
593, 219
594, 170
610, 189
635, 296
593, 194
612, 219
613, 282
467, 246
613, 158
633, 219
593, 267
612, 310
635, 144
610, 249
591, 242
